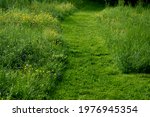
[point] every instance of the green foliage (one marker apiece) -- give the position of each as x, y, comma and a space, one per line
58, 10
32, 84
126, 31
24, 3
33, 55
9, 3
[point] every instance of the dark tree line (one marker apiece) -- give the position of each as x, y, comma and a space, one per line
126, 2
135, 2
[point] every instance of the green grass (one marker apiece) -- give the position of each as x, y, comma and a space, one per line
47, 54
126, 31
33, 54
92, 72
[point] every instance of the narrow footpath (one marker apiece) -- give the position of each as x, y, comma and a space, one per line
89, 61
91, 72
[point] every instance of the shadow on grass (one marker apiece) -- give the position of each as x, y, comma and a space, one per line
91, 6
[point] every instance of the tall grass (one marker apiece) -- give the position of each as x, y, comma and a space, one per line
33, 55
6, 4
126, 31
58, 10
9, 3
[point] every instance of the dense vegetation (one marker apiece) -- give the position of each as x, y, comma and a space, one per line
93, 54
126, 33
32, 52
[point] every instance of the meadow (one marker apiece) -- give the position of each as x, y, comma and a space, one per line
69, 49
32, 51
125, 30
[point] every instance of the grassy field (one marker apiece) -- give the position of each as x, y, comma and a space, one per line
93, 73
54, 51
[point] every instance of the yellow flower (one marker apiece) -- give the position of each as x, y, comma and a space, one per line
50, 33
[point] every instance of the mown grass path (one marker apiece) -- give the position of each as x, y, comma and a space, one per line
91, 73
